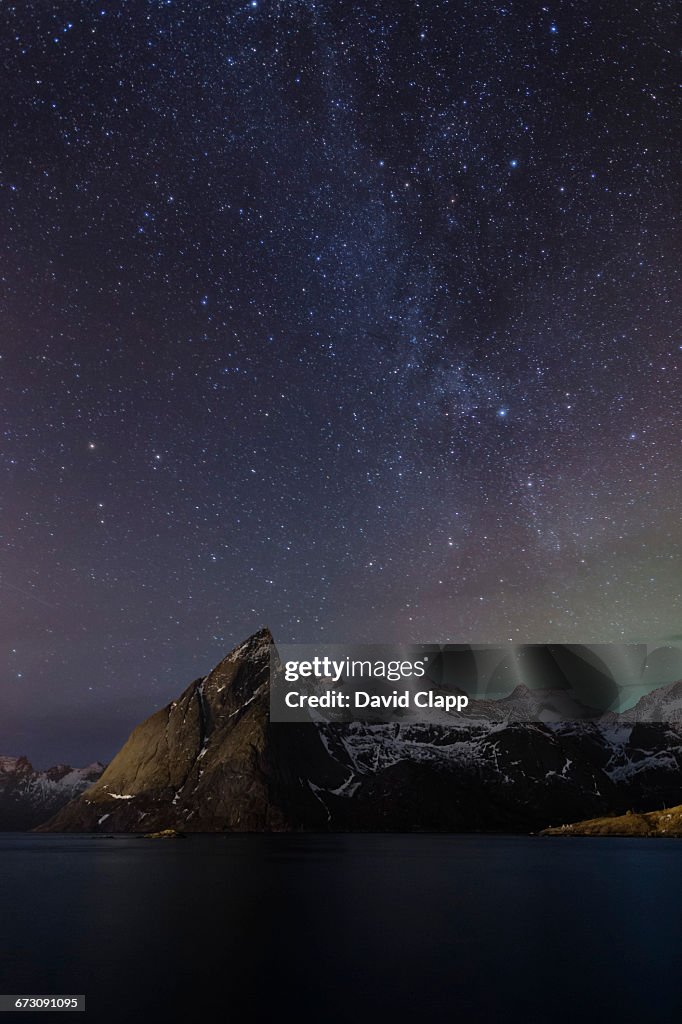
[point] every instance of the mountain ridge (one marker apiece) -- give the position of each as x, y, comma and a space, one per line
212, 760
28, 796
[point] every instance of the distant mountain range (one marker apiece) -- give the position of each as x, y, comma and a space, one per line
212, 761
29, 797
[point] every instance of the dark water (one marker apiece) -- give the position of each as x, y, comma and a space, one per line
345, 928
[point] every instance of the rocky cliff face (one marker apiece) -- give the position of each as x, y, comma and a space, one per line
209, 761
28, 796
213, 761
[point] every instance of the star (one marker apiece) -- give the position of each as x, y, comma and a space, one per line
429, 291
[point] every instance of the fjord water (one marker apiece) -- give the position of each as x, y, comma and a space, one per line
346, 927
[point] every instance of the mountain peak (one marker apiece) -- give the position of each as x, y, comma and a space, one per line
14, 765
29, 796
196, 763
257, 645
213, 761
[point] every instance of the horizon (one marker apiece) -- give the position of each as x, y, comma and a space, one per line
40, 762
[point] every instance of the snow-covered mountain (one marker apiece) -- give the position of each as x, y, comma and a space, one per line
212, 760
28, 797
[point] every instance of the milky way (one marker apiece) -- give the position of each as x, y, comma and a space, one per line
358, 321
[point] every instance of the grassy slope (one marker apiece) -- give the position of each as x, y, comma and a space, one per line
654, 823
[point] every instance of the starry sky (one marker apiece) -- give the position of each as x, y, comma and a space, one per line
358, 321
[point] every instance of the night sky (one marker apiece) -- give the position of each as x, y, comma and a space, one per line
358, 321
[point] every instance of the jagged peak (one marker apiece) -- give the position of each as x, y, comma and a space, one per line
13, 764
254, 647
520, 690
662, 692
258, 639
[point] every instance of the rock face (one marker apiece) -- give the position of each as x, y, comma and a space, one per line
28, 796
213, 761
209, 761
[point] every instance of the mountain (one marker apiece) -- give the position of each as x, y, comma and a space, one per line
665, 703
28, 796
209, 761
212, 761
